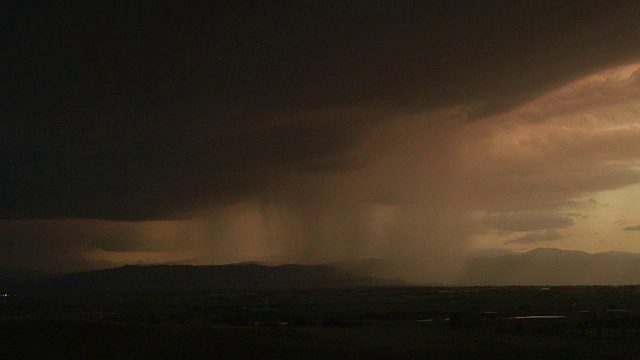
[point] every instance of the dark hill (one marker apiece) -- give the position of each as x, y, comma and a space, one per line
196, 278
9, 276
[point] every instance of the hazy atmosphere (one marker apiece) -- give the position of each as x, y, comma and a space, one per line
306, 133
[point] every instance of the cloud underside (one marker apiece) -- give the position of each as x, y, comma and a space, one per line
560, 147
162, 148
527, 221
531, 164
537, 237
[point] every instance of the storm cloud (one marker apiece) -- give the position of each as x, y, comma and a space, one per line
206, 109
312, 133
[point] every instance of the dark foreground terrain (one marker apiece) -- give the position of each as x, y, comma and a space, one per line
587, 322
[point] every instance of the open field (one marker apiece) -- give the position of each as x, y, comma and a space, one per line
590, 322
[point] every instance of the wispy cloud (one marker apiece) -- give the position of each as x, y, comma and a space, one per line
532, 238
527, 221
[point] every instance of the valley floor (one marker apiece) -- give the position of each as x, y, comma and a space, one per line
373, 323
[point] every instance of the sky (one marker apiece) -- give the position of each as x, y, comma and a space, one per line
314, 133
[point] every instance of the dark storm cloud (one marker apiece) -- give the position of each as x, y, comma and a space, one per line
41, 236
532, 238
631, 228
143, 113
71, 244
167, 177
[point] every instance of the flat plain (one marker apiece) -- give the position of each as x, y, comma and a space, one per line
513, 322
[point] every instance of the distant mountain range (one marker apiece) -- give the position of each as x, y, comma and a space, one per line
536, 267
193, 278
546, 266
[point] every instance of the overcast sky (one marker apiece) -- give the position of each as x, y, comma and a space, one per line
315, 133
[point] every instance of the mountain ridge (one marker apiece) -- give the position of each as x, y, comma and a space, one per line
162, 277
552, 266
541, 266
